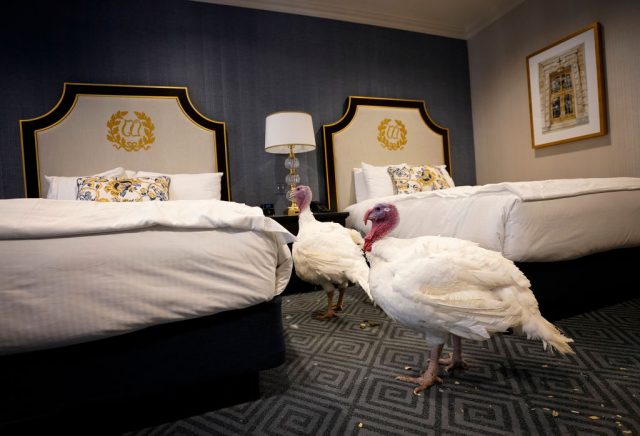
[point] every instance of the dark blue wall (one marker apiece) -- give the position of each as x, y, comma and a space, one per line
239, 65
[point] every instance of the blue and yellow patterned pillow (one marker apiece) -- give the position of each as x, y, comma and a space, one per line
410, 179
123, 189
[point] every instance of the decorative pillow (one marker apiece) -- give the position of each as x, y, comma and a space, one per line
202, 186
377, 179
446, 175
407, 180
66, 188
123, 189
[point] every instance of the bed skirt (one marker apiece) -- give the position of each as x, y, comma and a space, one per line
570, 287
155, 375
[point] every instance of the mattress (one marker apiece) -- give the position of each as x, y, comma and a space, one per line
75, 271
540, 221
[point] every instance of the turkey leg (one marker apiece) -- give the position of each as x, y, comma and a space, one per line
429, 376
454, 361
339, 307
329, 313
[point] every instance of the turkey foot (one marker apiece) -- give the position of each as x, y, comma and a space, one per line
424, 381
454, 361
331, 308
329, 313
429, 377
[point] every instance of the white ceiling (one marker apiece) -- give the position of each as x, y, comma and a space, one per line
452, 18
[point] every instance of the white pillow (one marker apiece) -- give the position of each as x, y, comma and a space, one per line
66, 188
360, 185
203, 186
378, 180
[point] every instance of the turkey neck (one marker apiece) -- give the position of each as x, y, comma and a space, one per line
378, 231
305, 216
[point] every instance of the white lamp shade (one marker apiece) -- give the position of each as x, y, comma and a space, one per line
284, 129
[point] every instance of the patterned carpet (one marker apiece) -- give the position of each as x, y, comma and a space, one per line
339, 380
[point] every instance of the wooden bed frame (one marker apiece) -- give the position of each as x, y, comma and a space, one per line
563, 288
157, 374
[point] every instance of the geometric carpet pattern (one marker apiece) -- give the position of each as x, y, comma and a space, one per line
339, 379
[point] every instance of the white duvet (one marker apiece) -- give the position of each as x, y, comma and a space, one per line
77, 271
539, 221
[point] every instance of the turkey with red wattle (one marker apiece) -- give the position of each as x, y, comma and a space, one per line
443, 286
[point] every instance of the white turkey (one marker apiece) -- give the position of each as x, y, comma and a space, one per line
327, 254
442, 286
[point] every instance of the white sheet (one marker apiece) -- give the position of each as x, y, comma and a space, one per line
541, 221
82, 271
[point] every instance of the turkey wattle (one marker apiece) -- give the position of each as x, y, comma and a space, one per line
441, 286
327, 254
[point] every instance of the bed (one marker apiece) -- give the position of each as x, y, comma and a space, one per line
131, 313
576, 239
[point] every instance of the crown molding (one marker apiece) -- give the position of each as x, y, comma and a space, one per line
347, 12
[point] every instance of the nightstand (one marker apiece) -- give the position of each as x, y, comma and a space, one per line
290, 222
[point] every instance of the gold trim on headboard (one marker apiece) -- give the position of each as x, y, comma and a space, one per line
381, 114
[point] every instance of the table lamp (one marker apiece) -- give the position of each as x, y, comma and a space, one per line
290, 133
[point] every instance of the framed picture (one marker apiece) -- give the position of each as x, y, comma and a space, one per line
566, 101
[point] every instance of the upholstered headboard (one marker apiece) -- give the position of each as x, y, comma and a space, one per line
95, 127
379, 131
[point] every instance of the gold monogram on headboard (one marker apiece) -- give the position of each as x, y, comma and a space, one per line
132, 134
392, 134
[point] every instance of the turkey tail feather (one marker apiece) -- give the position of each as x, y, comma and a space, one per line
365, 287
362, 279
536, 327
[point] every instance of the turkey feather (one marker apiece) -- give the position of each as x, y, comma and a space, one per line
326, 253
442, 285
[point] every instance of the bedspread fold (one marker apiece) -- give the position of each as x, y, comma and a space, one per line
41, 218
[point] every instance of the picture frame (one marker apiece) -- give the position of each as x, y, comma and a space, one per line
566, 99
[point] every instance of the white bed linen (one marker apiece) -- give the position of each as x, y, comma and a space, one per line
82, 271
540, 221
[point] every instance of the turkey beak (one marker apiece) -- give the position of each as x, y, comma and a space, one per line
366, 216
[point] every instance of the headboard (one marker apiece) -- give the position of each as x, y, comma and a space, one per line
379, 131
95, 127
